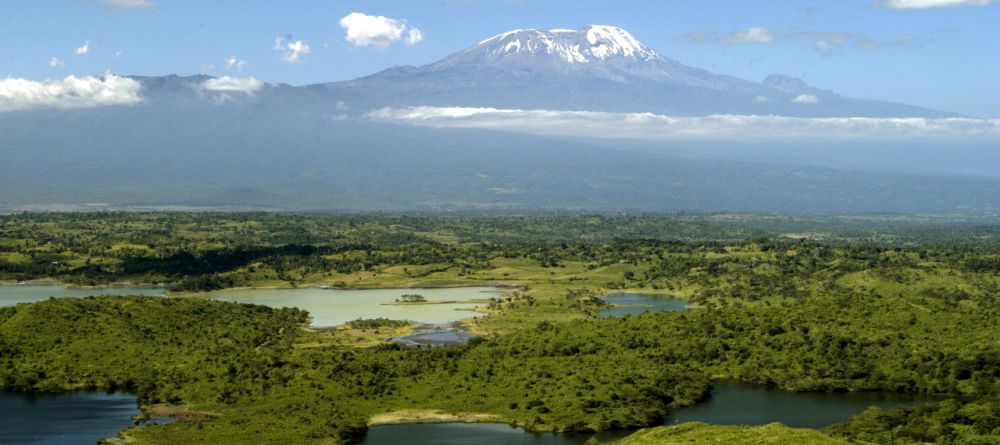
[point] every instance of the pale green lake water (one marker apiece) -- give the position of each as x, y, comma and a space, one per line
331, 307
11, 294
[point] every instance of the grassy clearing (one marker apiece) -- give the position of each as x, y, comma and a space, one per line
346, 336
429, 416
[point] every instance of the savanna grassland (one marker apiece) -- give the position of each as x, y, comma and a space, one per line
805, 303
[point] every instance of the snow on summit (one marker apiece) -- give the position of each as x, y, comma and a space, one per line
595, 42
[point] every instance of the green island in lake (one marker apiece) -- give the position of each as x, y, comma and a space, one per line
886, 331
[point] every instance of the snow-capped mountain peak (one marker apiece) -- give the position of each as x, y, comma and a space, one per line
595, 42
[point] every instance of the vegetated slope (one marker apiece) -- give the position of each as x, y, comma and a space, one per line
948, 421
696, 432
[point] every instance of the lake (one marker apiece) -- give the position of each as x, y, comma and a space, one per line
632, 303
328, 307
11, 294
74, 418
331, 307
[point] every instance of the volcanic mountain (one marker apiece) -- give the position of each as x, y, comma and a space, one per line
596, 68
224, 142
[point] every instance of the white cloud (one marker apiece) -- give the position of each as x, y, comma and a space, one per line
378, 31
235, 64
414, 36
247, 85
805, 99
926, 4
84, 49
129, 4
71, 92
291, 49
119, 53
825, 42
660, 127
750, 35
762, 99
56, 63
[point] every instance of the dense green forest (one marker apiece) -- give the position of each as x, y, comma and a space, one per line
806, 304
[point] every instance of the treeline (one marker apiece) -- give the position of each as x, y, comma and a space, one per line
194, 252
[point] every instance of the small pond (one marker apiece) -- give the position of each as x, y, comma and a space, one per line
331, 307
625, 303
435, 335
11, 294
737, 403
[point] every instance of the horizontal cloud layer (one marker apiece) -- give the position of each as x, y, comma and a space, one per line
926, 4
71, 92
714, 127
130, 4
247, 85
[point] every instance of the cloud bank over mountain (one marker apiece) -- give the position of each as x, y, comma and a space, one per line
70, 92
712, 127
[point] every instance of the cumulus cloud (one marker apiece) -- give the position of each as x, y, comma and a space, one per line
927, 4
71, 92
805, 99
414, 36
660, 127
84, 49
291, 50
56, 63
247, 85
825, 42
235, 64
378, 31
129, 4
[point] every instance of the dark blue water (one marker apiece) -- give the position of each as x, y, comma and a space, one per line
632, 303
736, 403
63, 419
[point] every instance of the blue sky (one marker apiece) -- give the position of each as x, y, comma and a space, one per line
944, 57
